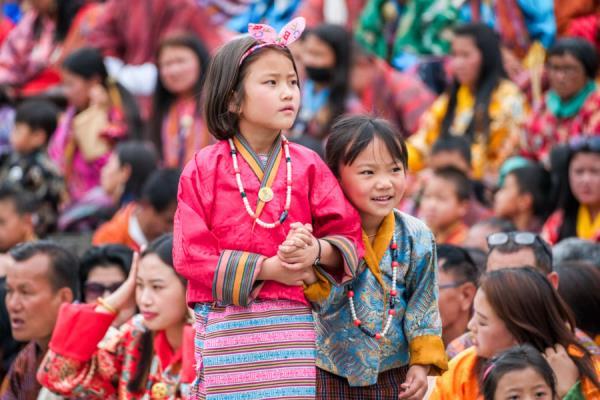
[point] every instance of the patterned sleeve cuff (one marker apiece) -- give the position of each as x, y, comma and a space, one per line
235, 277
349, 256
319, 291
429, 350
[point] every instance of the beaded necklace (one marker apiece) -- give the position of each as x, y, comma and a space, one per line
267, 193
393, 292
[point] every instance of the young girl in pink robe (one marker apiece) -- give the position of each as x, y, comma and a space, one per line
239, 200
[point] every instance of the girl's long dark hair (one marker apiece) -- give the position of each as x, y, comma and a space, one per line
88, 63
340, 41
66, 10
163, 248
162, 97
534, 313
491, 73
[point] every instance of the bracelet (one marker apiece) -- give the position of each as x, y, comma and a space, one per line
106, 306
317, 262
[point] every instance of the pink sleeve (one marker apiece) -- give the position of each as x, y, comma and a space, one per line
13, 63
197, 254
106, 35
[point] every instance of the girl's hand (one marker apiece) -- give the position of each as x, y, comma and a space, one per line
415, 386
124, 296
564, 368
300, 249
273, 270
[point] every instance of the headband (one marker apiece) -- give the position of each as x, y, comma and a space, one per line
267, 36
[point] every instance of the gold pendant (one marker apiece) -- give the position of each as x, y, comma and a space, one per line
265, 194
389, 11
159, 391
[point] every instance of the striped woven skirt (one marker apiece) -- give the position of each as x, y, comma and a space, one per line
263, 351
331, 386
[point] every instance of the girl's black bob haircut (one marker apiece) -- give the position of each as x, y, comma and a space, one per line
350, 136
223, 87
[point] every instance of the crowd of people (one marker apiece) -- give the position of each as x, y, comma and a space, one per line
333, 199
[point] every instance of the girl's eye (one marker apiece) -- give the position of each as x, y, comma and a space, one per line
366, 172
397, 169
294, 82
156, 287
271, 82
541, 394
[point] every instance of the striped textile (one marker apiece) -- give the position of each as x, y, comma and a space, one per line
331, 386
263, 351
235, 276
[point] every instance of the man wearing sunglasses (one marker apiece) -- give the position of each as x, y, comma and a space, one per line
514, 250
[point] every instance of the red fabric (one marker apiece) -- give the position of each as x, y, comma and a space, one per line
6, 26
136, 43
587, 27
116, 231
78, 330
211, 217
41, 82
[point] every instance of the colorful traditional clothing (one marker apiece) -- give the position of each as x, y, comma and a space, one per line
183, 134
507, 112
82, 144
85, 361
454, 235
465, 341
399, 97
461, 381
123, 228
220, 250
21, 383
556, 122
584, 226
566, 11
414, 336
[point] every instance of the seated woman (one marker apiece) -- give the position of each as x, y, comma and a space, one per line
176, 125
578, 213
480, 105
518, 306
31, 50
326, 58
150, 356
571, 108
100, 113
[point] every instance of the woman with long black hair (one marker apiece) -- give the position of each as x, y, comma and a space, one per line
481, 104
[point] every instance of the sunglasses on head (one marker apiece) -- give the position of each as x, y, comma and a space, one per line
585, 142
98, 289
520, 238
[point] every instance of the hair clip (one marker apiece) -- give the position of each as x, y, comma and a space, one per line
267, 36
487, 371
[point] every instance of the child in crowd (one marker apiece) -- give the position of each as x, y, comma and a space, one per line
519, 373
523, 197
29, 166
238, 200
150, 356
139, 222
380, 335
445, 204
17, 214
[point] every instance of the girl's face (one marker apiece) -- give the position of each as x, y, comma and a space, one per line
317, 53
77, 89
584, 178
506, 200
490, 333
524, 384
159, 294
179, 69
271, 95
566, 75
466, 60
374, 183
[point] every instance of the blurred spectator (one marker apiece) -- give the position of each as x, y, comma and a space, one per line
176, 125
28, 165
445, 203
100, 113
29, 53
457, 277
578, 213
477, 235
580, 289
524, 198
567, 11
571, 108
151, 356
344, 12
480, 105
385, 92
17, 214
326, 55
9, 347
575, 249
7, 121
121, 181
102, 270
138, 223
43, 277
130, 48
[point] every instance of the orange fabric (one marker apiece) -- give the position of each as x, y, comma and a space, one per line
566, 11
459, 382
116, 231
455, 235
